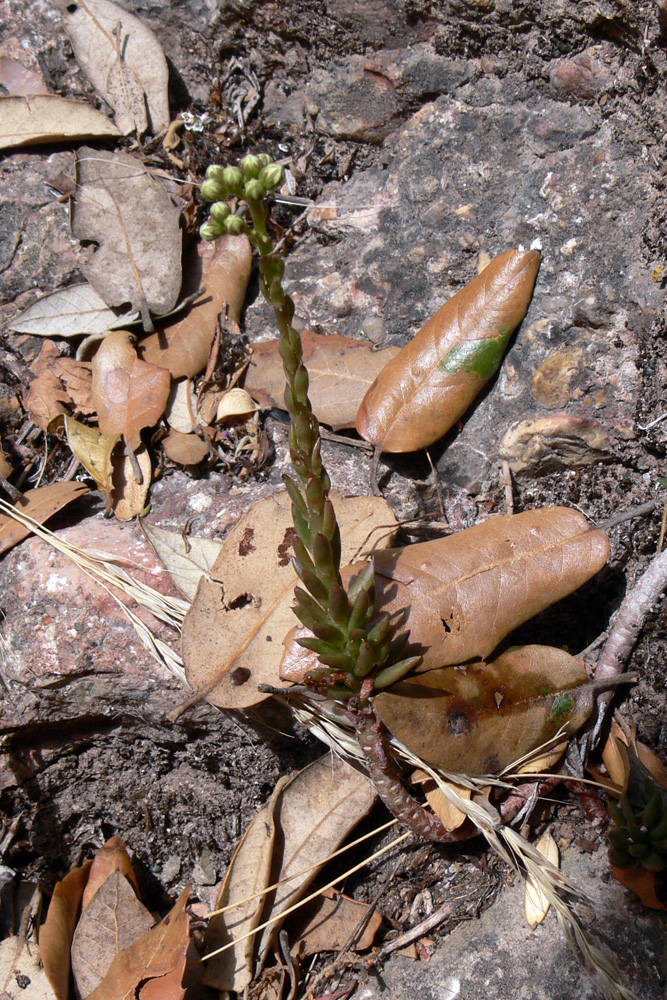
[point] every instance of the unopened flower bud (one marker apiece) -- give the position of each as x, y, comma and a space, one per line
233, 180
251, 166
254, 191
220, 210
211, 230
214, 173
272, 175
211, 190
234, 225
265, 159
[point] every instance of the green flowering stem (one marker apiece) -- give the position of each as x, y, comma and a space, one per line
354, 645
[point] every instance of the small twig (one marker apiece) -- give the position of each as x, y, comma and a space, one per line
436, 483
375, 489
283, 941
341, 439
623, 634
431, 922
647, 427
645, 508
662, 528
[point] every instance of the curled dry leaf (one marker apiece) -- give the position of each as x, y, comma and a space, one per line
463, 594
112, 921
127, 393
249, 873
57, 931
18, 80
185, 449
46, 399
318, 809
232, 635
72, 311
39, 504
130, 215
536, 902
480, 718
93, 450
424, 390
223, 267
186, 557
340, 372
128, 493
123, 60
181, 407
43, 118
152, 968
641, 882
235, 403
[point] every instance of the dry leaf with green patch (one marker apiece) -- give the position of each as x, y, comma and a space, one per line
112, 921
185, 449
536, 901
424, 390
93, 449
44, 118
328, 922
70, 312
340, 371
223, 267
480, 718
232, 635
119, 206
153, 967
249, 873
127, 393
57, 931
40, 504
123, 60
465, 593
318, 809
129, 492
186, 557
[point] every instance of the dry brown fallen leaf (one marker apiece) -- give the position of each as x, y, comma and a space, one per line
93, 450
536, 902
44, 118
119, 206
424, 390
70, 312
40, 504
185, 449
319, 807
123, 60
235, 403
327, 923
249, 873
223, 267
463, 594
127, 393
180, 411
340, 372
152, 968
448, 814
57, 931
18, 80
186, 557
232, 635
111, 857
481, 718
641, 882
113, 920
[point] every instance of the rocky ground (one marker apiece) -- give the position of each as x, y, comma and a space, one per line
427, 135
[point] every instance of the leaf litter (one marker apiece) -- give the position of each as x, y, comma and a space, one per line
42, 118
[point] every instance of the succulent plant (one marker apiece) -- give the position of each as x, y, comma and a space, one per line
639, 833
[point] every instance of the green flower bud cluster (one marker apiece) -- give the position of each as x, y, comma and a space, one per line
639, 834
250, 181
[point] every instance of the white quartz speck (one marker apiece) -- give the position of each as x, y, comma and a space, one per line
200, 502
